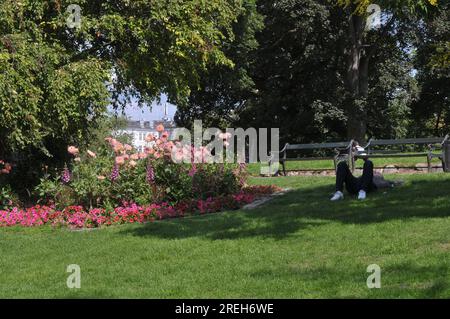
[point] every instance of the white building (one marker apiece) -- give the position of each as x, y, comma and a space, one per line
139, 130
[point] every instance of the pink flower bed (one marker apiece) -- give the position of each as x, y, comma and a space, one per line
78, 217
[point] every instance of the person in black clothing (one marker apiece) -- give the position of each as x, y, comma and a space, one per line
354, 185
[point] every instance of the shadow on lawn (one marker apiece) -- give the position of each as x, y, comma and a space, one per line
397, 281
308, 207
224, 226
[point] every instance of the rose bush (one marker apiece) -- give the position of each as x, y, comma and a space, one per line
117, 173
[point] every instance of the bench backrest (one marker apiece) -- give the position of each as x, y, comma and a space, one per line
408, 141
372, 142
316, 146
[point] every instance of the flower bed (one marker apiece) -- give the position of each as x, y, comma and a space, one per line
119, 184
78, 217
117, 172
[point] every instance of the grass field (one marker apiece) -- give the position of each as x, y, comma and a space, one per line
254, 169
300, 245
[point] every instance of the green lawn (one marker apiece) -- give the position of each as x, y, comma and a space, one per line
298, 246
254, 169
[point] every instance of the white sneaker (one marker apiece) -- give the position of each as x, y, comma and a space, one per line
337, 196
362, 195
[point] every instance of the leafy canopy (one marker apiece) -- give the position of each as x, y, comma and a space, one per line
56, 81
413, 5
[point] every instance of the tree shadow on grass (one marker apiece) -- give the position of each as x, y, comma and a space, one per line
417, 199
309, 207
222, 226
426, 281
404, 280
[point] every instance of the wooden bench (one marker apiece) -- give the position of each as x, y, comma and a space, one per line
343, 151
373, 149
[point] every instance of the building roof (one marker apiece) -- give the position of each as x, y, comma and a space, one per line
131, 125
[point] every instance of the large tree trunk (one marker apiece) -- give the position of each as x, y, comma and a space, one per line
356, 79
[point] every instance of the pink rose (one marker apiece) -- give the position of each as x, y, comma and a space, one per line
120, 160
149, 150
118, 147
8, 167
132, 163
142, 155
128, 147
73, 150
178, 157
91, 154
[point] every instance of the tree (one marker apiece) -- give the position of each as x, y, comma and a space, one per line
56, 81
223, 91
139, 48
295, 72
311, 79
431, 111
359, 52
301, 70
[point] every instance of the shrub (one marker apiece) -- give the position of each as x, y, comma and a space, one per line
115, 174
7, 197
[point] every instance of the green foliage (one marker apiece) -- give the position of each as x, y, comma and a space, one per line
48, 189
172, 181
392, 89
431, 110
8, 198
222, 90
42, 100
216, 179
107, 125
297, 72
360, 6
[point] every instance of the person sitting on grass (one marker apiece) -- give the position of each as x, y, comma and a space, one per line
354, 185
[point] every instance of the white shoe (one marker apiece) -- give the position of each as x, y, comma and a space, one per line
362, 195
337, 196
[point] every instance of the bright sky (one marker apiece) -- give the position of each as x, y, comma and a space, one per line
156, 112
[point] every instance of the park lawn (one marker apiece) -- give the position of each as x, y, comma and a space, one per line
254, 168
300, 245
